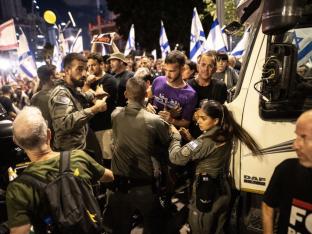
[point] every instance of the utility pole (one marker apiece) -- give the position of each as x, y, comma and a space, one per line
220, 12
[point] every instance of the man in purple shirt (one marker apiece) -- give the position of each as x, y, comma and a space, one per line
171, 95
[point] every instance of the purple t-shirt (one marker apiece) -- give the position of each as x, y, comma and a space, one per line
184, 97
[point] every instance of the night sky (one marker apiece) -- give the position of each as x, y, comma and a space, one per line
83, 12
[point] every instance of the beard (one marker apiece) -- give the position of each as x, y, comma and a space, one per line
77, 83
173, 79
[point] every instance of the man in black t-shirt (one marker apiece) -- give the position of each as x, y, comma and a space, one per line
101, 122
118, 66
6, 101
206, 87
290, 188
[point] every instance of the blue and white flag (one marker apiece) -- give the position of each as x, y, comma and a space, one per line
103, 50
27, 62
225, 38
303, 40
56, 60
11, 78
197, 37
215, 39
242, 44
77, 46
163, 41
63, 49
131, 41
154, 53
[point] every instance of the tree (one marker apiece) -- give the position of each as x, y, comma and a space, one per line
146, 15
230, 15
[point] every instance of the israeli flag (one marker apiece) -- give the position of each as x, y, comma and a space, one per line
56, 60
131, 41
242, 44
103, 50
302, 38
197, 37
77, 46
27, 62
225, 38
215, 39
163, 41
63, 49
11, 78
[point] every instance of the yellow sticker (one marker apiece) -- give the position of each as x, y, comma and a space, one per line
92, 217
76, 172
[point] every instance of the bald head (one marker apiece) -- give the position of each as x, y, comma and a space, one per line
303, 141
30, 129
232, 61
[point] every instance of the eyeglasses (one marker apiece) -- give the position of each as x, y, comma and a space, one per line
207, 65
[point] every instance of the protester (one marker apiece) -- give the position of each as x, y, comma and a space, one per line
106, 67
159, 65
211, 196
129, 67
47, 75
31, 133
136, 65
189, 71
135, 131
224, 72
152, 60
290, 186
118, 65
101, 122
206, 87
302, 70
21, 84
175, 102
129, 59
145, 62
13, 85
66, 105
22, 99
232, 63
6, 101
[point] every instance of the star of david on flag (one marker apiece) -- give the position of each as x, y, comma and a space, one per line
163, 41
303, 40
27, 62
131, 41
197, 37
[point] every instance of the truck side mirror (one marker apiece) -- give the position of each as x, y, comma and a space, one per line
279, 16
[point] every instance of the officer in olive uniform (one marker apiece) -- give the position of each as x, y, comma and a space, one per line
69, 107
209, 158
134, 133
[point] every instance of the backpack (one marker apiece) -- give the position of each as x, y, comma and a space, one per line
66, 203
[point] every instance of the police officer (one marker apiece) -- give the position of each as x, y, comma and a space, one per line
211, 192
134, 133
69, 107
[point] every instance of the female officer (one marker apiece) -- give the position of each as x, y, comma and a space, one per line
211, 193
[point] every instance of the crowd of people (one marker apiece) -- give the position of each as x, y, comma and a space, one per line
126, 123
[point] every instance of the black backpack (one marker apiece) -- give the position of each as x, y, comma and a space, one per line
66, 203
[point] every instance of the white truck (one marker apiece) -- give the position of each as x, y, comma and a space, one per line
269, 97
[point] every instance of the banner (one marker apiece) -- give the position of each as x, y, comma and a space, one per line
103, 38
8, 39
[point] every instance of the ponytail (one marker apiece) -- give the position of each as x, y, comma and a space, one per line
228, 127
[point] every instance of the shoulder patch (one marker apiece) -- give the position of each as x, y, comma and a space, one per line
63, 99
193, 144
185, 151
